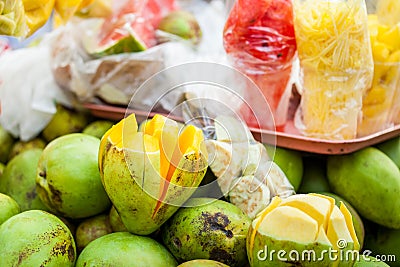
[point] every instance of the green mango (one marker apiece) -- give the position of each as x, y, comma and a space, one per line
391, 148
369, 261
91, 229
202, 263
21, 146
208, 229
314, 176
370, 181
6, 143
18, 180
2, 167
124, 249
36, 238
98, 128
65, 121
115, 220
385, 242
68, 179
8, 208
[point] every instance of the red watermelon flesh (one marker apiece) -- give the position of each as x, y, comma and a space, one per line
136, 20
264, 31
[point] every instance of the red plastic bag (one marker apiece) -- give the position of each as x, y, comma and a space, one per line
259, 40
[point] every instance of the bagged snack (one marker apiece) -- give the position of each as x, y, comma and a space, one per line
259, 40
379, 102
336, 66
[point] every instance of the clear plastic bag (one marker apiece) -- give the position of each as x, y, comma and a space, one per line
259, 40
336, 66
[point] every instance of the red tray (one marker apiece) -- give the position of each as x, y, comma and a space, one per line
288, 137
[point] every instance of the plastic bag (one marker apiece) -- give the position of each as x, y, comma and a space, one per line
28, 92
115, 79
260, 42
336, 66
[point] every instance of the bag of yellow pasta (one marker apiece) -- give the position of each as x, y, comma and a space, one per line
336, 66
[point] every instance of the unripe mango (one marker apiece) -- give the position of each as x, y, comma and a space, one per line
36, 238
370, 181
149, 175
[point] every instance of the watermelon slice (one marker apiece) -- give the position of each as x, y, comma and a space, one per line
131, 28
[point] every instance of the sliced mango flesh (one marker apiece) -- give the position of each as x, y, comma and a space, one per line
260, 217
288, 223
304, 220
160, 134
337, 229
166, 131
350, 225
318, 208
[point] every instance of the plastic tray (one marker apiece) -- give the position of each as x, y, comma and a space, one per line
288, 137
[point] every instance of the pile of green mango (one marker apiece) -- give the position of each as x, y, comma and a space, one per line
56, 210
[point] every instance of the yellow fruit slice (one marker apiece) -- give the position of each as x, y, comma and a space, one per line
288, 223
67, 8
338, 233
349, 222
33, 4
37, 17
316, 207
260, 218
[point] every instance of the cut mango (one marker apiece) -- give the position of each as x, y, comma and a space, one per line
349, 222
316, 207
288, 223
154, 176
303, 223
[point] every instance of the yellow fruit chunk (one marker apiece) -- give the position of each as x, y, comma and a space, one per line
316, 207
33, 4
376, 95
260, 217
392, 37
338, 232
380, 51
166, 131
36, 18
288, 223
350, 226
388, 11
67, 8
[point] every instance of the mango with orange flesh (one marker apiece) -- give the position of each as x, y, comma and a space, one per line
148, 175
302, 230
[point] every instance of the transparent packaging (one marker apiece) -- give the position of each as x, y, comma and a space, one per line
336, 66
380, 102
259, 41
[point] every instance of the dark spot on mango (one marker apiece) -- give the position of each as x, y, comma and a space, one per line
216, 222
221, 255
55, 196
177, 242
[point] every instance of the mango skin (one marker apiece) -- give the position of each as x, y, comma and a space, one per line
8, 208
91, 229
357, 221
36, 238
208, 229
6, 141
68, 179
392, 149
202, 263
370, 181
18, 180
98, 128
123, 249
383, 241
134, 202
261, 253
